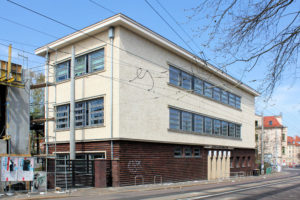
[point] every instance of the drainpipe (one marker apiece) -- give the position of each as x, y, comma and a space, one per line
111, 35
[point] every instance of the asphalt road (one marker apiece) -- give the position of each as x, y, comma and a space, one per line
287, 187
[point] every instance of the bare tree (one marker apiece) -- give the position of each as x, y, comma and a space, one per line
252, 32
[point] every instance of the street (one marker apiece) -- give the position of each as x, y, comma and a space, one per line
280, 187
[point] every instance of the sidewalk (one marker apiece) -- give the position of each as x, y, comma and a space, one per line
81, 192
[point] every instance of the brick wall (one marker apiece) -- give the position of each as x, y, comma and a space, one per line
243, 153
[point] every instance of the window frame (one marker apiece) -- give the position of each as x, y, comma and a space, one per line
206, 127
58, 70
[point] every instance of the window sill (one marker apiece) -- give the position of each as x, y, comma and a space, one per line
81, 128
208, 98
203, 134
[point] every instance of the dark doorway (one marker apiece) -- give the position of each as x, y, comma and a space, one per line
3, 93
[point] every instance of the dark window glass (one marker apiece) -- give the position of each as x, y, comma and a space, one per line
174, 119
178, 152
232, 99
187, 152
198, 86
208, 125
96, 60
186, 81
231, 162
96, 112
217, 94
208, 89
198, 123
80, 65
249, 161
62, 117
224, 97
238, 131
225, 128
197, 152
174, 75
186, 121
217, 127
62, 71
243, 161
231, 129
237, 162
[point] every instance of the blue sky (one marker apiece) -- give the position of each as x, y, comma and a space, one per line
82, 13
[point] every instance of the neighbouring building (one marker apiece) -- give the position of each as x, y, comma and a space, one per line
14, 111
173, 116
293, 151
274, 139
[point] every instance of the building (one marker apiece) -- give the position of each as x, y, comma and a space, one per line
14, 111
293, 151
173, 116
274, 139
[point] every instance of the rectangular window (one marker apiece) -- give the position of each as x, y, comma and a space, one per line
80, 65
238, 102
178, 152
63, 71
243, 162
186, 121
197, 153
283, 137
225, 128
175, 76
231, 130
198, 123
188, 152
283, 150
256, 137
238, 131
96, 60
217, 94
80, 112
62, 117
237, 162
174, 119
231, 99
198, 86
186, 81
249, 161
224, 98
231, 162
97, 156
96, 113
217, 127
208, 89
208, 125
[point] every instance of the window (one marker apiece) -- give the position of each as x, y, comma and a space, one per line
283, 150
283, 137
197, 153
225, 128
178, 152
96, 60
174, 76
217, 94
270, 123
63, 71
62, 117
80, 65
238, 131
256, 123
243, 162
231, 99
198, 123
249, 161
188, 152
208, 125
231, 162
186, 81
208, 89
237, 162
224, 98
96, 112
87, 113
238, 102
231, 130
97, 156
256, 137
198, 86
186, 121
174, 119
217, 127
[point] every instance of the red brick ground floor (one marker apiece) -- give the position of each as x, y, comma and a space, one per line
147, 162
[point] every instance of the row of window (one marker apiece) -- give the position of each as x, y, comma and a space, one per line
190, 122
87, 63
187, 152
87, 113
240, 163
198, 86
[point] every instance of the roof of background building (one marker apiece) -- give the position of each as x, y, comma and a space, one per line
271, 122
293, 140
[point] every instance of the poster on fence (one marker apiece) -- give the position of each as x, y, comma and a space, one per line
9, 168
25, 169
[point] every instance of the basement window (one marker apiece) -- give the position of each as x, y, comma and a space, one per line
178, 152
197, 153
188, 152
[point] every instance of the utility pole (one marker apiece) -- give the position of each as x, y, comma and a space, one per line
72, 108
262, 143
